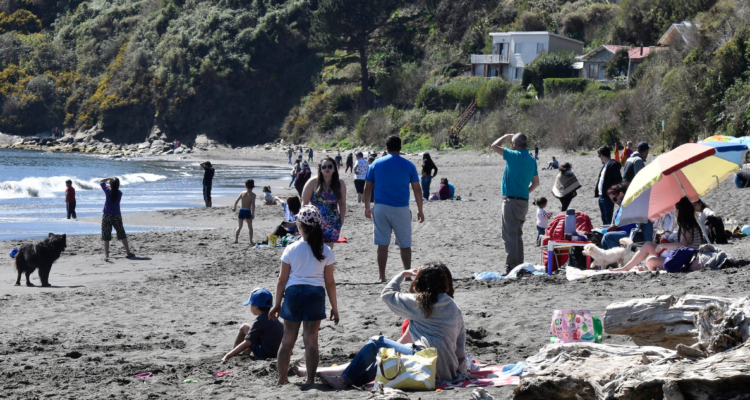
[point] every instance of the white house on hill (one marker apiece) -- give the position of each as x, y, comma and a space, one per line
512, 51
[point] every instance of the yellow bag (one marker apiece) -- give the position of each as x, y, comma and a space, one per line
400, 371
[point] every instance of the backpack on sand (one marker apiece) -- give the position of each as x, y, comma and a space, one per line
680, 259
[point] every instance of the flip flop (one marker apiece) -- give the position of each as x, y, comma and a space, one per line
144, 375
220, 374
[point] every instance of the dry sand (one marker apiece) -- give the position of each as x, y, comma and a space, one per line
175, 310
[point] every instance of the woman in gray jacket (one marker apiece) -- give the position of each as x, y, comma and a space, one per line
435, 321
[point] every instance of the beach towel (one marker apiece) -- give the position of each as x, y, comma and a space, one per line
575, 273
496, 375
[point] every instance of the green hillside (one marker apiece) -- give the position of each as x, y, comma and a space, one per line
251, 71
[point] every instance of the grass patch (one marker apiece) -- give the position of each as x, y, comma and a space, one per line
584, 153
424, 143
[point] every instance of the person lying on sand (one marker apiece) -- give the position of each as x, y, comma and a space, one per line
405, 338
306, 275
247, 212
262, 338
434, 318
688, 235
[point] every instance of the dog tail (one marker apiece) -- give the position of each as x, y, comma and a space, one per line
626, 242
19, 262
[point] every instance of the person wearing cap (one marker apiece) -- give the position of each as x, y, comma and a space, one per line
391, 178
305, 277
263, 336
636, 162
302, 177
208, 179
520, 178
360, 172
609, 176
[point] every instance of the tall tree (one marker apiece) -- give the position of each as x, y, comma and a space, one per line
351, 25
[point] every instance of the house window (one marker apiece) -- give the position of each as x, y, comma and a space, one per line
494, 72
540, 48
518, 48
594, 71
519, 73
496, 48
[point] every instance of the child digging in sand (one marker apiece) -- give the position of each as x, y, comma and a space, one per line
247, 212
306, 275
263, 336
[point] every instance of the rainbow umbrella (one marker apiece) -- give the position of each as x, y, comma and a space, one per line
690, 170
717, 138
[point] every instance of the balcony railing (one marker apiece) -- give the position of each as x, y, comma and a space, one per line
489, 58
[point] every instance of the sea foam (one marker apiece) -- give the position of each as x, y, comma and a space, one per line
55, 186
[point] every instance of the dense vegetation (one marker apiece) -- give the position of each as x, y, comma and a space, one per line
346, 72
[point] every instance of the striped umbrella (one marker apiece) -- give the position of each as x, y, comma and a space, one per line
717, 138
690, 170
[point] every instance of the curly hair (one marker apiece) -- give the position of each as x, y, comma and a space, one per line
428, 285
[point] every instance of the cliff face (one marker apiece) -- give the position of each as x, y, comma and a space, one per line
228, 69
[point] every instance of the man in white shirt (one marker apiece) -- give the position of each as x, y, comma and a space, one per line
360, 170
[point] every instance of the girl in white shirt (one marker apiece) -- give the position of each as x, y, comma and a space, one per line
306, 275
542, 218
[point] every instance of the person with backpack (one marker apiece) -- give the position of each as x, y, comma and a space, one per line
688, 236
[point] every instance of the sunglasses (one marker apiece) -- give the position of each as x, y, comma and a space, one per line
327, 166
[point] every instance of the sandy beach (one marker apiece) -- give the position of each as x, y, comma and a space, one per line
175, 310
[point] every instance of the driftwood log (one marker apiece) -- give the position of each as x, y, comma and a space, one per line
718, 366
662, 321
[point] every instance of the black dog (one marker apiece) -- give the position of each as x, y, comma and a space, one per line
39, 256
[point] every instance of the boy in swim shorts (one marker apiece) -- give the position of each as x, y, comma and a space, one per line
247, 212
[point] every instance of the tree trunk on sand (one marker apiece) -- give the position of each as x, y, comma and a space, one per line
661, 321
365, 78
715, 368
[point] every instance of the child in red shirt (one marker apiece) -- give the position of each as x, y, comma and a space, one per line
70, 199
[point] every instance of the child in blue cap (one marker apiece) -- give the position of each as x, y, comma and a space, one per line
263, 336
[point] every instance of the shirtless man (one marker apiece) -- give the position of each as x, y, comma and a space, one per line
247, 212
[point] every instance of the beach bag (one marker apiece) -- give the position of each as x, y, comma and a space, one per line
570, 326
680, 259
399, 371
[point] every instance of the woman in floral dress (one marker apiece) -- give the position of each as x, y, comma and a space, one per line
328, 193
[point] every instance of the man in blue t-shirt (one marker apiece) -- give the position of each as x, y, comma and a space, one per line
519, 179
391, 177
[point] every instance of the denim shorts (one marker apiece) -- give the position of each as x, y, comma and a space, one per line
304, 303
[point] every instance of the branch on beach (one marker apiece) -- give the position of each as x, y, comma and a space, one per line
715, 366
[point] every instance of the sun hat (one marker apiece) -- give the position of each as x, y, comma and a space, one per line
309, 215
260, 297
643, 146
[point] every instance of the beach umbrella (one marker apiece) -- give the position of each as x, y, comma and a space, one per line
717, 138
690, 170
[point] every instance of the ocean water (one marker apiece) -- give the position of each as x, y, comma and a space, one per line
32, 189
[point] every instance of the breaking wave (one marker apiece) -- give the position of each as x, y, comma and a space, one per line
55, 186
